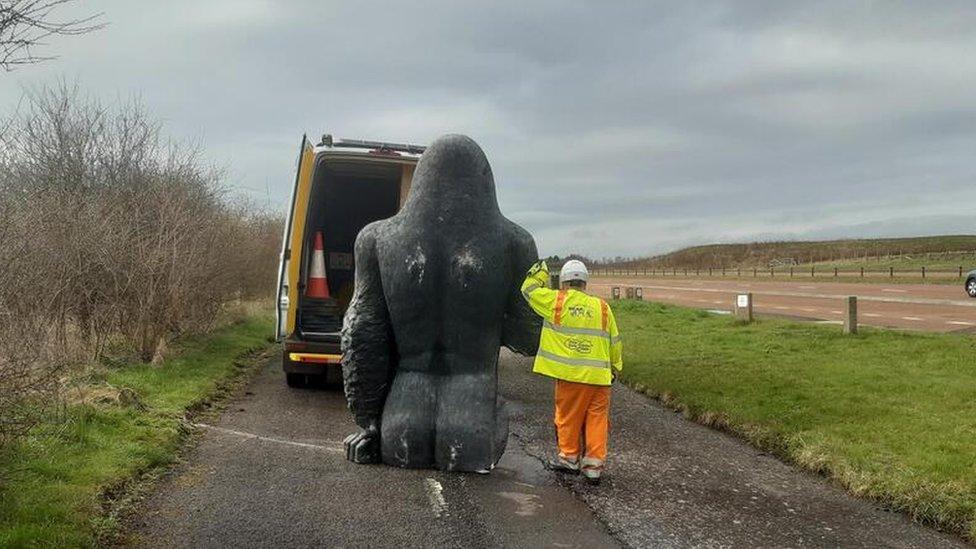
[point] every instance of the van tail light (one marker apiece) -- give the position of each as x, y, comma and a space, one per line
315, 358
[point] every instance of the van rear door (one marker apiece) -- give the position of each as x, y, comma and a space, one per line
291, 243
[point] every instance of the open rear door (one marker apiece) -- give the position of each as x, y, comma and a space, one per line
291, 243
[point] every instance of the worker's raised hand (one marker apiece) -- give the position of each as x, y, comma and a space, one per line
538, 266
364, 446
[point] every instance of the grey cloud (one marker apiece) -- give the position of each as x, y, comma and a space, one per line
617, 129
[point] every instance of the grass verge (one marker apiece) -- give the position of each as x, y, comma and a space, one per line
888, 414
60, 485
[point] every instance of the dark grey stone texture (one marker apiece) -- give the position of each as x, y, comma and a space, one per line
437, 294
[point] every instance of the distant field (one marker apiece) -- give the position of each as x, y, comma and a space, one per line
934, 262
887, 414
942, 252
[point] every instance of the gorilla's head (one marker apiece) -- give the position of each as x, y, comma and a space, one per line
453, 175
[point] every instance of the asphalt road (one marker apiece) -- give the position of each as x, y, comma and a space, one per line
270, 472
926, 307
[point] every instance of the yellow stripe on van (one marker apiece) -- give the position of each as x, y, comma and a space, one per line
305, 168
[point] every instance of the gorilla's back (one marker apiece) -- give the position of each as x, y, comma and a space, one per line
445, 287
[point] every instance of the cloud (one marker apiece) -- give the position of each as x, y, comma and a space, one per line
613, 129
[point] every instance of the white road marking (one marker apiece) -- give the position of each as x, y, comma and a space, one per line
808, 309
435, 495
829, 322
913, 318
807, 287
782, 308
893, 290
836, 312
872, 315
335, 447
960, 323
718, 302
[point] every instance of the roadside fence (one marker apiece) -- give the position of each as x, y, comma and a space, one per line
786, 272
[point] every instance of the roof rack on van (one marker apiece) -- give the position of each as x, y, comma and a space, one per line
377, 145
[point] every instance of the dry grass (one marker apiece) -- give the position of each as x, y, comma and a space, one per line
850, 252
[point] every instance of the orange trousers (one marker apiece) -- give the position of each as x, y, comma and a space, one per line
582, 412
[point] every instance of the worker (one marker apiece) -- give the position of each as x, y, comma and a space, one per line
580, 347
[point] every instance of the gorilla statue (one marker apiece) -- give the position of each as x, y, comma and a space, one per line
437, 295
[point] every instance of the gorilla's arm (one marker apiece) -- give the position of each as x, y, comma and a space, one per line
367, 337
520, 332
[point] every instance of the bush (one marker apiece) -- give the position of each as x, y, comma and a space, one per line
110, 232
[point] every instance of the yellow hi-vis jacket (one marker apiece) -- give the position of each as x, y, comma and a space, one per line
579, 341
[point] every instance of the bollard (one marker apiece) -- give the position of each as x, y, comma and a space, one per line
835, 272
629, 292
639, 293
615, 292
791, 272
862, 272
850, 318
891, 272
743, 307
811, 272
923, 272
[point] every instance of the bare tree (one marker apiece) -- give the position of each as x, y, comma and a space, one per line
26, 24
110, 232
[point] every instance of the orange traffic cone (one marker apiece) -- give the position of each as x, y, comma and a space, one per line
317, 286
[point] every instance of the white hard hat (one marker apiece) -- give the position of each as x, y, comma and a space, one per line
573, 270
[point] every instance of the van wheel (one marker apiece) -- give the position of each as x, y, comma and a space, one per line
971, 287
296, 381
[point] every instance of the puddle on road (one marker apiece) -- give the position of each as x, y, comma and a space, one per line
526, 504
519, 467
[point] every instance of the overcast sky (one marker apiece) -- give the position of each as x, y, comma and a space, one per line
623, 130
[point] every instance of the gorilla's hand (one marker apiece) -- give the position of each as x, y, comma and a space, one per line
364, 446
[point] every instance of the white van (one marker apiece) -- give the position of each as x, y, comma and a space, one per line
340, 187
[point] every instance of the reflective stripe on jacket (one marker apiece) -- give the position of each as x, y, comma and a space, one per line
579, 340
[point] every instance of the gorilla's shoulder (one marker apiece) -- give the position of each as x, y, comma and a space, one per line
516, 233
520, 241
370, 233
